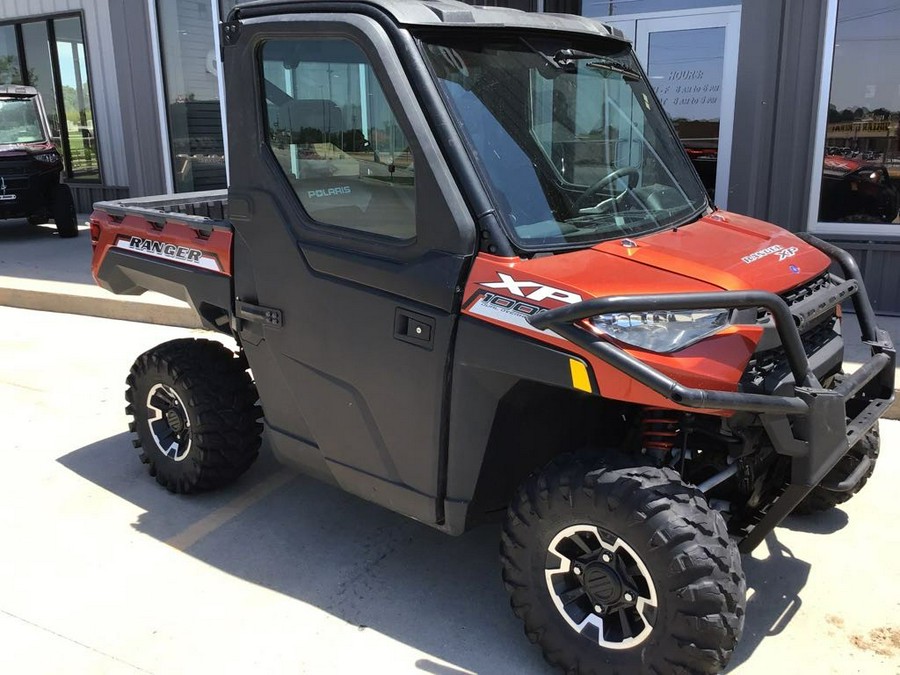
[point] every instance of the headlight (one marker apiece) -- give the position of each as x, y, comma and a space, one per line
663, 331
47, 157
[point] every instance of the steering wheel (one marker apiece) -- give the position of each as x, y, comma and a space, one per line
585, 197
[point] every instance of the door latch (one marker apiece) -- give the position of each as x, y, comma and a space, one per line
416, 329
267, 316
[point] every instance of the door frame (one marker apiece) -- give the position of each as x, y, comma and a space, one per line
638, 27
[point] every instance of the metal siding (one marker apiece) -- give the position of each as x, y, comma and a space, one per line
105, 91
879, 262
143, 148
775, 113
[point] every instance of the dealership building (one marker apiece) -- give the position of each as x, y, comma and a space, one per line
789, 109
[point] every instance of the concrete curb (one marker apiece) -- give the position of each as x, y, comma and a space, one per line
69, 298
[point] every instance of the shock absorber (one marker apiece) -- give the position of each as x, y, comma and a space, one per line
659, 430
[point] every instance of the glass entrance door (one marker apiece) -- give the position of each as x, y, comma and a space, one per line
691, 60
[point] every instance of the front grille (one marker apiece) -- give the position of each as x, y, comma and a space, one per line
17, 184
802, 292
768, 367
16, 167
773, 364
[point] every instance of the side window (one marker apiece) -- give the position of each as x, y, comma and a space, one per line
332, 131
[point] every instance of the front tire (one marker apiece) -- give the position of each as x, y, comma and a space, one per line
196, 418
819, 499
622, 571
62, 207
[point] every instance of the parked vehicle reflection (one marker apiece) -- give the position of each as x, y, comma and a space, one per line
857, 190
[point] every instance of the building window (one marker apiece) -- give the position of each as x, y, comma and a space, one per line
190, 67
336, 138
10, 68
50, 56
36, 45
73, 85
860, 179
616, 8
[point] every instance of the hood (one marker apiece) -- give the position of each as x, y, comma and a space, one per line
728, 251
840, 165
721, 251
23, 149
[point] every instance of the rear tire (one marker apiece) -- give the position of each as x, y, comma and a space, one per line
195, 414
820, 499
62, 208
670, 599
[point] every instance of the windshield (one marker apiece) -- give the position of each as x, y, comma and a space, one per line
19, 121
568, 136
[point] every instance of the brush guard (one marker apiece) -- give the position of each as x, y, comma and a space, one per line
811, 427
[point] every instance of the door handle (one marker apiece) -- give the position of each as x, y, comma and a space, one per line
415, 329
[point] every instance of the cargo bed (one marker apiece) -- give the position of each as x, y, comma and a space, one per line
179, 246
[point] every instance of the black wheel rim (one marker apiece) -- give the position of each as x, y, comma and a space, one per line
601, 587
170, 425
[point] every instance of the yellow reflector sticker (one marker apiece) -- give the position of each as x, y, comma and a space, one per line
580, 378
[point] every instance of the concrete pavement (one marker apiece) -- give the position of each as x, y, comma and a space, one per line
38, 270
103, 571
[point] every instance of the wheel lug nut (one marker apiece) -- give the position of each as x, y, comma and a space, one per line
576, 570
598, 609
606, 557
629, 597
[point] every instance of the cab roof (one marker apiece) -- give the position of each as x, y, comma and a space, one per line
442, 13
17, 91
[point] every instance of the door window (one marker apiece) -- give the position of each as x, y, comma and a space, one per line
336, 138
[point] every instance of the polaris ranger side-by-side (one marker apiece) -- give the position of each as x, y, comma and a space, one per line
471, 272
30, 166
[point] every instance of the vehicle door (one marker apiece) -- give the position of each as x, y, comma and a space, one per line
351, 240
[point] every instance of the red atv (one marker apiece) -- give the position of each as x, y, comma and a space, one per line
497, 288
30, 166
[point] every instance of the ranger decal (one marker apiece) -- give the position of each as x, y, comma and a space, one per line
782, 252
161, 249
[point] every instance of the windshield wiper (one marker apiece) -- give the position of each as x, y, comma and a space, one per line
567, 58
603, 63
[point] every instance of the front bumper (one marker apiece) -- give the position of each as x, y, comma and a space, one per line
814, 426
26, 193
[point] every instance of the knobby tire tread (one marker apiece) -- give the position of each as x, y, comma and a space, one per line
702, 581
223, 406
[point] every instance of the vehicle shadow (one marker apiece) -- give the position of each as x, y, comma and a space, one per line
21, 230
359, 562
375, 569
773, 595
827, 522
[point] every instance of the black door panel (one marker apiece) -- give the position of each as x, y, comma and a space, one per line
349, 386
423, 280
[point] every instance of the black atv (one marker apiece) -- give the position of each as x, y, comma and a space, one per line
30, 166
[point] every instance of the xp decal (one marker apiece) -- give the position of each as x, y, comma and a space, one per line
539, 294
161, 249
502, 308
